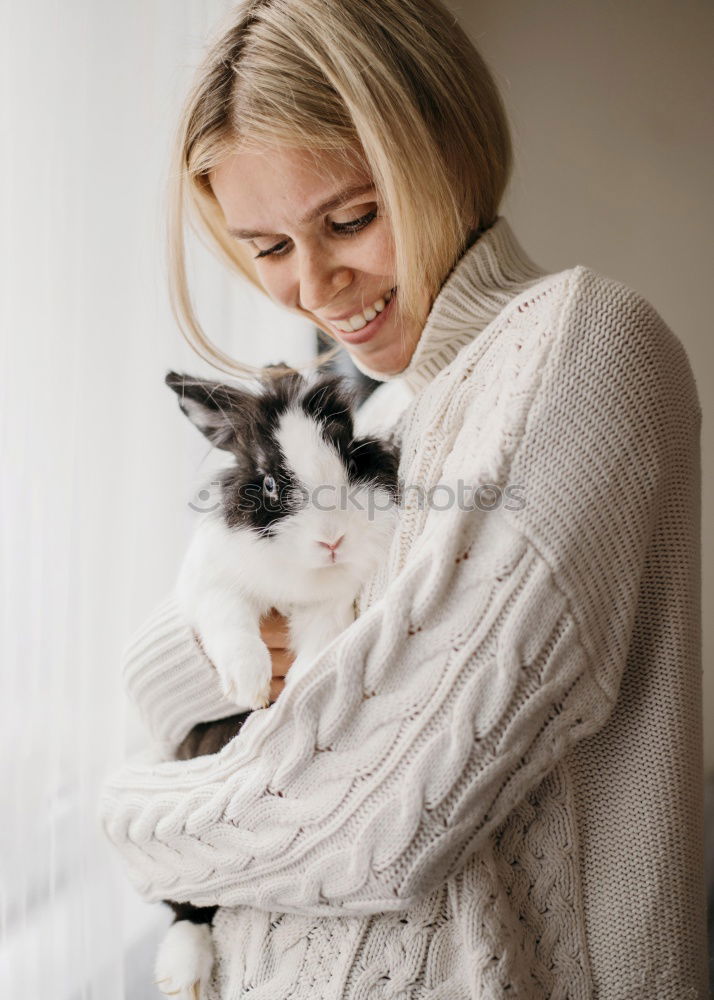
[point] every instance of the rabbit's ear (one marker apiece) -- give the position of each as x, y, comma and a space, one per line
285, 382
374, 461
330, 399
220, 411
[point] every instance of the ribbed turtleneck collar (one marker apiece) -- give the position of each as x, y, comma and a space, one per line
494, 270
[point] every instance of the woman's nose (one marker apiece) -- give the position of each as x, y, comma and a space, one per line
320, 282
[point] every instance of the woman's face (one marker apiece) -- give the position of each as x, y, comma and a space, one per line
320, 244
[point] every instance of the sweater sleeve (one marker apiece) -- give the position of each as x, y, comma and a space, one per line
499, 646
170, 679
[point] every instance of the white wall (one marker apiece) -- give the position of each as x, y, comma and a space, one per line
98, 463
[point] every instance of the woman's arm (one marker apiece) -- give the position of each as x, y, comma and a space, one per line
499, 646
169, 678
172, 682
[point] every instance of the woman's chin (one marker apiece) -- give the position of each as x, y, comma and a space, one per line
387, 359
387, 352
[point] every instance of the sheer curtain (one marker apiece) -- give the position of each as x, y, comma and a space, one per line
99, 466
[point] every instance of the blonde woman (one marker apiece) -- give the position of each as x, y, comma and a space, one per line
489, 785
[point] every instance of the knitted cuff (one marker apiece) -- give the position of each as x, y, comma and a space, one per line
169, 678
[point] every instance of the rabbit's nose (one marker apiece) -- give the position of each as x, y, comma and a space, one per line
332, 545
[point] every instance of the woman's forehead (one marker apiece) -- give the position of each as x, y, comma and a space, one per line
259, 188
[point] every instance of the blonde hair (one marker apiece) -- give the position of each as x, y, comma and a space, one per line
398, 81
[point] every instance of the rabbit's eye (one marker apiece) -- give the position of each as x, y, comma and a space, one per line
270, 486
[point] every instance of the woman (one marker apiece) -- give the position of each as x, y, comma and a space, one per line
489, 785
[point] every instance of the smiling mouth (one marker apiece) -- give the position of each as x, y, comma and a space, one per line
360, 319
368, 327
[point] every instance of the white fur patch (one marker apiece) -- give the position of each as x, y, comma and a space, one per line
307, 453
185, 959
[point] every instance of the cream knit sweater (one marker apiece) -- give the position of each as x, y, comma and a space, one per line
490, 785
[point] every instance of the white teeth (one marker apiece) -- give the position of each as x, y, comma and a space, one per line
360, 320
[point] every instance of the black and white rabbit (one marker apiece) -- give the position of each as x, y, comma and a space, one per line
306, 511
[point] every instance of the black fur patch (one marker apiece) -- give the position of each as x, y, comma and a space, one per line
374, 462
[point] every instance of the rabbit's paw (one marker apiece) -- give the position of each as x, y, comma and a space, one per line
184, 961
246, 674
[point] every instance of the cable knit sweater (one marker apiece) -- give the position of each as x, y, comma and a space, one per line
490, 785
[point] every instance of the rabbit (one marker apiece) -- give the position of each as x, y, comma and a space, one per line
306, 511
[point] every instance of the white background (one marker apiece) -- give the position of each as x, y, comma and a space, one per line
98, 463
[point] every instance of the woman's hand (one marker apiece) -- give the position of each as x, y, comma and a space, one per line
275, 635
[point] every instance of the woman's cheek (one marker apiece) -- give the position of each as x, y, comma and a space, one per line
370, 252
380, 252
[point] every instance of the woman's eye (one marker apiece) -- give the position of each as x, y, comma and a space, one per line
355, 224
276, 251
344, 228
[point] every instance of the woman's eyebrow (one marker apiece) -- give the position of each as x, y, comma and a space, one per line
333, 202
